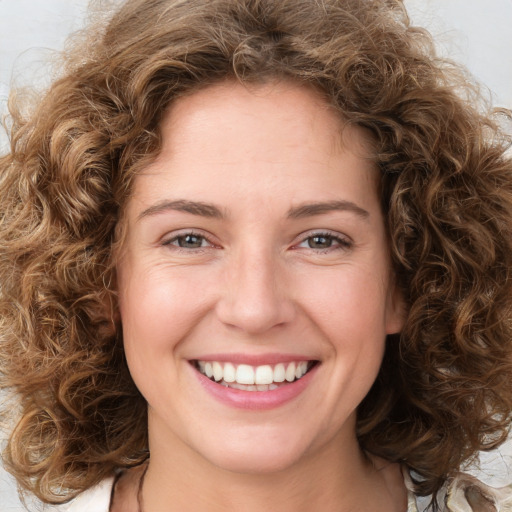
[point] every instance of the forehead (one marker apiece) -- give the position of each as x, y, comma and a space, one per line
277, 140
257, 109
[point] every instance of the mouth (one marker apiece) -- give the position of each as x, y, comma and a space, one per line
267, 377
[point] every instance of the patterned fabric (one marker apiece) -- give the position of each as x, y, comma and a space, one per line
463, 493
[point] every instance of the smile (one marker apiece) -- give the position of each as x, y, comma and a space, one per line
254, 378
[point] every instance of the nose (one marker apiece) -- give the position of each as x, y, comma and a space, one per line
255, 297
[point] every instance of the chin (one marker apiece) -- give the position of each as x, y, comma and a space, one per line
255, 456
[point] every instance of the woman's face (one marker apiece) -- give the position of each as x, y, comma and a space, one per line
256, 250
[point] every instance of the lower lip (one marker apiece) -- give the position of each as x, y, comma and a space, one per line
256, 400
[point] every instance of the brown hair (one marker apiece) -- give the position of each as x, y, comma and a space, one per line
445, 387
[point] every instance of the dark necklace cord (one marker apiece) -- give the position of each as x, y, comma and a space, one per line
140, 503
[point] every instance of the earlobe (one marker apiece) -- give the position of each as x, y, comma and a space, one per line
105, 314
396, 313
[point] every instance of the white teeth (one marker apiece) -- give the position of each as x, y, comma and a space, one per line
301, 369
229, 373
244, 387
290, 372
218, 372
249, 378
245, 374
279, 373
264, 375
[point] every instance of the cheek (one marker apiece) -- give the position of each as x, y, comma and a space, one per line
349, 308
153, 322
159, 307
347, 300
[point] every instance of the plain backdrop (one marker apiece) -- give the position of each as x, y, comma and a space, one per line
475, 33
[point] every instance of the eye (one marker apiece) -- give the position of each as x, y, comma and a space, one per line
325, 241
188, 241
320, 241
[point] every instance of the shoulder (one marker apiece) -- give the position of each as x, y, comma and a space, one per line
95, 499
464, 493
117, 493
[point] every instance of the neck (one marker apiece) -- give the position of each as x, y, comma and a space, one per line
180, 479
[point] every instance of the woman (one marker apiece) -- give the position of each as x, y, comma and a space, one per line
256, 255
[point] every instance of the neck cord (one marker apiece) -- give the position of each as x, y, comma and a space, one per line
140, 503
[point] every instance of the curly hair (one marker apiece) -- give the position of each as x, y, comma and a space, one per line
445, 386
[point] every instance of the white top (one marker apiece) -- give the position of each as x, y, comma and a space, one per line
95, 499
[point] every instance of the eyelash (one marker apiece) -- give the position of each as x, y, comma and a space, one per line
184, 235
341, 243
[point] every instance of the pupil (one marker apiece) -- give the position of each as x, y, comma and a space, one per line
190, 241
320, 242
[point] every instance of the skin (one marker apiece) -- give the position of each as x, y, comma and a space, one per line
258, 283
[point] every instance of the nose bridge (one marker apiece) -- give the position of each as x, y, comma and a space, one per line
255, 298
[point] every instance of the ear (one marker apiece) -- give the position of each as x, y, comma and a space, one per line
105, 314
396, 311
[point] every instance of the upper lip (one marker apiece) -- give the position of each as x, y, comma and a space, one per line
254, 359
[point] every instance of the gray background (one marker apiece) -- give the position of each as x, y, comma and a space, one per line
475, 33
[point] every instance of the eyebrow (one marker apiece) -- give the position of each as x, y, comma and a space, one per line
311, 209
212, 211
182, 205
